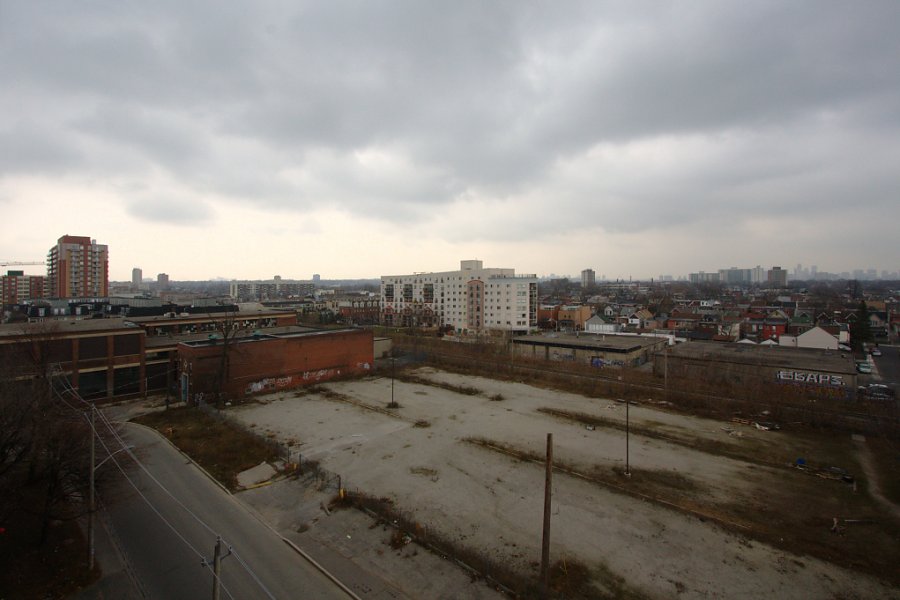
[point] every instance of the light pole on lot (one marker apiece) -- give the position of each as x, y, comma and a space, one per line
393, 404
627, 435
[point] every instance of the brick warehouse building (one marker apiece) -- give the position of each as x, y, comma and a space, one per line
265, 362
115, 357
100, 357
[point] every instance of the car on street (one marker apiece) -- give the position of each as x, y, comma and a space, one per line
876, 391
876, 352
864, 368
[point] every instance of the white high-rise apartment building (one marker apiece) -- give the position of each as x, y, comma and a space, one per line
470, 300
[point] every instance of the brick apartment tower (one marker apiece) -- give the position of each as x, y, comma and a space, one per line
77, 267
17, 287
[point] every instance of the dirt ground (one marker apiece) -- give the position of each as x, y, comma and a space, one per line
675, 528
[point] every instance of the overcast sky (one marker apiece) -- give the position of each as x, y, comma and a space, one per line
359, 139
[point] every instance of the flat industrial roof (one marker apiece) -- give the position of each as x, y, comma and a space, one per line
242, 314
162, 341
594, 341
270, 333
64, 327
768, 356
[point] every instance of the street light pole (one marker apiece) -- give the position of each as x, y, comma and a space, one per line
91, 499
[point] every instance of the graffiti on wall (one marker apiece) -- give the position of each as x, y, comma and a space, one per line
321, 374
268, 384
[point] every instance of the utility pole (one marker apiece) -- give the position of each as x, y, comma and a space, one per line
627, 435
91, 499
392, 404
217, 568
545, 543
666, 371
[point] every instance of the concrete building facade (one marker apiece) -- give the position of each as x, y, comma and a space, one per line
777, 277
588, 279
77, 267
273, 289
472, 300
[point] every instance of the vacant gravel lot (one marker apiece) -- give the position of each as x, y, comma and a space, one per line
493, 501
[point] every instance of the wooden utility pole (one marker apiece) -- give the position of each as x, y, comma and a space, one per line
627, 435
666, 371
545, 544
217, 568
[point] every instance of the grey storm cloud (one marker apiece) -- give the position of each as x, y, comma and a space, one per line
274, 103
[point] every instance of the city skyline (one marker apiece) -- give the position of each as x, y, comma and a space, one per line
220, 141
798, 271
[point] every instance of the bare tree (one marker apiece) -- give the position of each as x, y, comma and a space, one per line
227, 331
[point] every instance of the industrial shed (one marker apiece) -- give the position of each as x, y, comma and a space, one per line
596, 350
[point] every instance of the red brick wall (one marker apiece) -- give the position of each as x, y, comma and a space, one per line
280, 363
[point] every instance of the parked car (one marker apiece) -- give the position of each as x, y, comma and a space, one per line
876, 352
876, 391
863, 367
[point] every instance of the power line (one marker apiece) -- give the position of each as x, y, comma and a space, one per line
127, 449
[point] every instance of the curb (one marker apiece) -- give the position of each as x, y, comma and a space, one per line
189, 459
256, 515
321, 569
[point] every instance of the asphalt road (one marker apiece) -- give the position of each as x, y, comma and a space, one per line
167, 561
888, 365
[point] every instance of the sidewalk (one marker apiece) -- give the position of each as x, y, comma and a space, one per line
116, 580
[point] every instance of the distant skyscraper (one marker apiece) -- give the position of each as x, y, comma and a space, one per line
137, 277
735, 276
162, 281
758, 274
77, 267
777, 277
316, 278
588, 278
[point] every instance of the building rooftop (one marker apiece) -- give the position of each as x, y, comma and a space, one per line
64, 327
769, 356
269, 333
162, 341
204, 316
604, 342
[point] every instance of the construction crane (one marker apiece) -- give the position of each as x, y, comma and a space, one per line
15, 263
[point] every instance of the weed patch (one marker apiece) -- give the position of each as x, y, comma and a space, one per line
221, 448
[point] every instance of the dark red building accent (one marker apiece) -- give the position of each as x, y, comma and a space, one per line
268, 362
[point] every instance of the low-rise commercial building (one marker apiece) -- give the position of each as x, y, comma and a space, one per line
595, 350
820, 371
